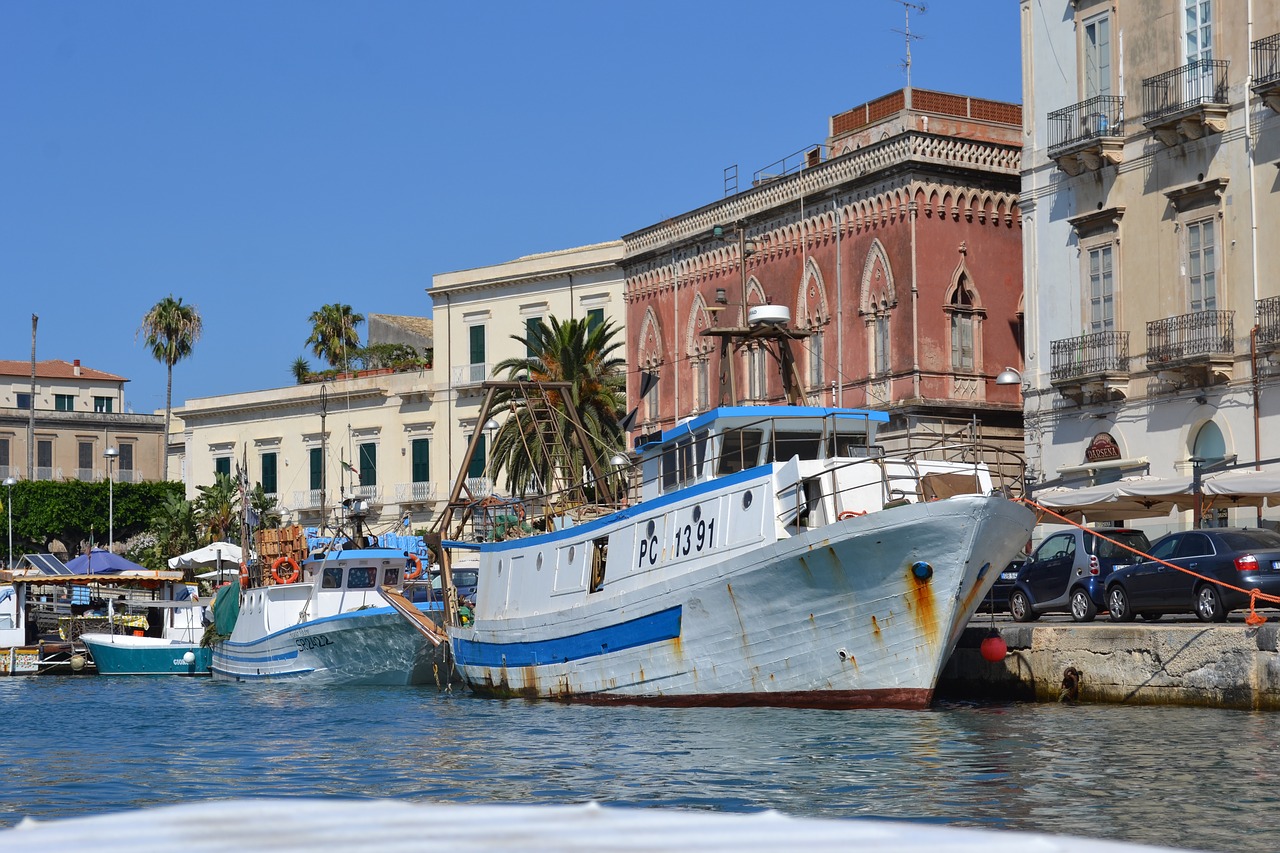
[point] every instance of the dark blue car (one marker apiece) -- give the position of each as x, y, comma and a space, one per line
1241, 558
1068, 571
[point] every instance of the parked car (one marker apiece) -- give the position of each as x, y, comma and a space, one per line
1246, 558
997, 600
1067, 573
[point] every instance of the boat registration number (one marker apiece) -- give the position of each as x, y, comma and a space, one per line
314, 641
693, 538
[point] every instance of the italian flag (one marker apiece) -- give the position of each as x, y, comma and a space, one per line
352, 469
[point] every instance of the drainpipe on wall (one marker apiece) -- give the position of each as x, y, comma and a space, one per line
915, 309
839, 400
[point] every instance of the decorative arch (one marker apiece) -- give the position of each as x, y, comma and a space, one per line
649, 358
811, 301
877, 291
963, 305
695, 343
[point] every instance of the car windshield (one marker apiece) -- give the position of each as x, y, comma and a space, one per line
1105, 550
464, 578
1245, 540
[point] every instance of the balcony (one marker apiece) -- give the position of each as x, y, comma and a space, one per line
1088, 135
1187, 102
1091, 368
1192, 349
372, 494
86, 475
470, 375
128, 475
1266, 70
308, 499
411, 494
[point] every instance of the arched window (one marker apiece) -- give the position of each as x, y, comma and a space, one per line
966, 329
1210, 445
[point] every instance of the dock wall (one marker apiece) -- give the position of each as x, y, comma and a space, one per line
1220, 666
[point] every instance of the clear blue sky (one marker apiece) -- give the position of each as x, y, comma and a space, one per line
260, 159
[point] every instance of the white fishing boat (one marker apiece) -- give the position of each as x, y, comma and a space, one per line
776, 555
335, 617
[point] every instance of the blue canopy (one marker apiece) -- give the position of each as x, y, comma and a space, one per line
100, 561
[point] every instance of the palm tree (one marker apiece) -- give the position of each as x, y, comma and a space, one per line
301, 370
218, 510
171, 330
174, 526
333, 334
574, 352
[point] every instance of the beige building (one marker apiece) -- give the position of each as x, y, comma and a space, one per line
477, 312
79, 414
1151, 208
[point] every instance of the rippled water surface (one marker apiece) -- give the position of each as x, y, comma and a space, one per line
1179, 777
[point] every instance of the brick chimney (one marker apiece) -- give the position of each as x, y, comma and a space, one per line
75, 367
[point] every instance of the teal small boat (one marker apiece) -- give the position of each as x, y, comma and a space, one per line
121, 654
176, 651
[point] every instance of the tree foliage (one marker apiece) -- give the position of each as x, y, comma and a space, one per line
73, 511
578, 352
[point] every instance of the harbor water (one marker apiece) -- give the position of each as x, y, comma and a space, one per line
1179, 777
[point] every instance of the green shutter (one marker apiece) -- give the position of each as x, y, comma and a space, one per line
368, 464
477, 344
317, 468
421, 460
222, 465
595, 318
269, 473
531, 334
476, 468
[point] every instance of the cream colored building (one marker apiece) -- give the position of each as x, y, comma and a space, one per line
79, 413
477, 312
1151, 211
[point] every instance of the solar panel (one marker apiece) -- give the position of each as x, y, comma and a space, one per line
47, 564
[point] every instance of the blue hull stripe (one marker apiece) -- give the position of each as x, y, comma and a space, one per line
655, 628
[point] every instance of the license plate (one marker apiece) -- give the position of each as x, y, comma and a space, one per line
1275, 565
1013, 576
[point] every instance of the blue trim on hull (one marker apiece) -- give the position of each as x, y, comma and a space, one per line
643, 631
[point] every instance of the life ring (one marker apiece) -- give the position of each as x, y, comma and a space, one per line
417, 572
849, 513
244, 576
275, 570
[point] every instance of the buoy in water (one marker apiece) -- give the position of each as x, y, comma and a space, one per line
77, 663
993, 648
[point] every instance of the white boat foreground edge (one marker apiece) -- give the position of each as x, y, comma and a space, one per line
776, 556
307, 825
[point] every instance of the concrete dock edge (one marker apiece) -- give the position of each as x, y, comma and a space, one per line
1220, 666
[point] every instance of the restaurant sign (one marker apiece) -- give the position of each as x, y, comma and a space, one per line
1103, 448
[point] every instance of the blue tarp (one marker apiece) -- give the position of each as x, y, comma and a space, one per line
100, 561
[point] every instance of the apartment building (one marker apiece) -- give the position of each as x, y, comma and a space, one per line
1150, 208
79, 415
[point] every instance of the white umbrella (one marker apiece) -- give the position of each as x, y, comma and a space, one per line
1122, 499
210, 555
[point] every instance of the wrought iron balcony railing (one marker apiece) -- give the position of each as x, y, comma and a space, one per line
1095, 354
1096, 118
1201, 82
1190, 336
1266, 61
1268, 321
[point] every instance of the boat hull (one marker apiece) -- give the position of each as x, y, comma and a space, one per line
859, 614
375, 646
118, 654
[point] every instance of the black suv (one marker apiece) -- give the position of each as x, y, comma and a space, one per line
1068, 572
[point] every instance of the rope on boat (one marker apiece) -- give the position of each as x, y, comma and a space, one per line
1253, 619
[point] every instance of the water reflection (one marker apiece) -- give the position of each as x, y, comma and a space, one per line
1180, 777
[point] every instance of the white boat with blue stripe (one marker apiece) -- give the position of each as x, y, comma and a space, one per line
768, 555
339, 618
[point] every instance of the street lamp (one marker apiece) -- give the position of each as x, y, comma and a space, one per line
1008, 376
9, 481
111, 453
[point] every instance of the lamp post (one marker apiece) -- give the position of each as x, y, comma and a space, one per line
8, 482
111, 454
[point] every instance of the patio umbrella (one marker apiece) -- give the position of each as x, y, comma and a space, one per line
1107, 501
208, 556
100, 561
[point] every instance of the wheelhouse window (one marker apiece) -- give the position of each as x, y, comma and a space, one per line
362, 577
806, 445
739, 450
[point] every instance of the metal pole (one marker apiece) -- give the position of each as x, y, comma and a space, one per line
111, 453
9, 481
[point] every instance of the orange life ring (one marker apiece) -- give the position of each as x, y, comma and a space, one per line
417, 572
244, 576
849, 513
275, 570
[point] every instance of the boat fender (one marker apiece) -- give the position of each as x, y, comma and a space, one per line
417, 567
244, 576
275, 570
849, 513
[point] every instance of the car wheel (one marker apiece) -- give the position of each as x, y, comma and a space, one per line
1082, 607
1209, 604
1118, 604
1020, 607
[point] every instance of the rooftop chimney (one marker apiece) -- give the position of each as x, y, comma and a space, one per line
76, 367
